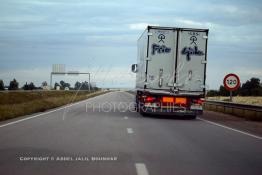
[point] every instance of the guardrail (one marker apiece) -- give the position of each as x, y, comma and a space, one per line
250, 112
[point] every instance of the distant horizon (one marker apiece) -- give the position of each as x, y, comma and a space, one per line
103, 87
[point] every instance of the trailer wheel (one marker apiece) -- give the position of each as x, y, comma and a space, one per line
142, 112
136, 108
192, 117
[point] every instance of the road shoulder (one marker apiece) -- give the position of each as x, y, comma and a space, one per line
234, 122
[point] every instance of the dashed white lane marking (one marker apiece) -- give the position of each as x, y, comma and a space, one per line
129, 130
125, 117
232, 129
141, 169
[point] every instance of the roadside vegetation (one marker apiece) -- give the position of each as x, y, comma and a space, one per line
240, 99
251, 87
22, 100
249, 92
62, 85
14, 104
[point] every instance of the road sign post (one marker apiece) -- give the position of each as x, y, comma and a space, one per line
231, 83
59, 69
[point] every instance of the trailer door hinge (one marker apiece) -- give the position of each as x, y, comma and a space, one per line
203, 86
204, 61
149, 34
170, 84
148, 58
177, 85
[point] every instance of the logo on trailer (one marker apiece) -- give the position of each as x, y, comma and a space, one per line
188, 51
193, 39
160, 49
161, 37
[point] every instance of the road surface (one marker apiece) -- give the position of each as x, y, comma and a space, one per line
91, 138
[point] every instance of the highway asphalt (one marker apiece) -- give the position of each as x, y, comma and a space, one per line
102, 136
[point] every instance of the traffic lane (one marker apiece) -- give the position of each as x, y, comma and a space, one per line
206, 148
80, 134
193, 147
60, 120
167, 145
68, 168
156, 142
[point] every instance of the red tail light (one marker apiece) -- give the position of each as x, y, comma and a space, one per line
149, 99
198, 101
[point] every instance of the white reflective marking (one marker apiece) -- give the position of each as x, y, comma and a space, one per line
129, 130
125, 117
141, 169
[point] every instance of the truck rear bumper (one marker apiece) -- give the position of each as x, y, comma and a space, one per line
170, 112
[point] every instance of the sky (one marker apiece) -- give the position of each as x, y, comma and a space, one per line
100, 37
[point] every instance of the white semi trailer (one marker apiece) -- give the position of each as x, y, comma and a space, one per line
171, 71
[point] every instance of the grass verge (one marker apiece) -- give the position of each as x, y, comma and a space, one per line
15, 104
251, 100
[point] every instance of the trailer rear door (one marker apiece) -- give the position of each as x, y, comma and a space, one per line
161, 58
191, 60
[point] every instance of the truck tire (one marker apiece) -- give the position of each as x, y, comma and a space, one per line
142, 113
192, 117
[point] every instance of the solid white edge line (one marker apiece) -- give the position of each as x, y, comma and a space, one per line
129, 130
232, 129
28, 118
141, 169
48, 112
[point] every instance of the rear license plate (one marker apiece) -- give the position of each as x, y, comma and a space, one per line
196, 107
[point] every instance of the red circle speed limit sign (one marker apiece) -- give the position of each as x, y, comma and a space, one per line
231, 82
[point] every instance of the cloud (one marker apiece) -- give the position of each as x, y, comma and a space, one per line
193, 23
248, 73
21, 18
189, 22
140, 26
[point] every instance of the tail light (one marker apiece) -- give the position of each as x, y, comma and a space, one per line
168, 99
198, 101
174, 100
150, 99
180, 100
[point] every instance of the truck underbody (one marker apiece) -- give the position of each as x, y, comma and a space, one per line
171, 104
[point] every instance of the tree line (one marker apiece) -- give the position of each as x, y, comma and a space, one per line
251, 87
78, 86
14, 85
